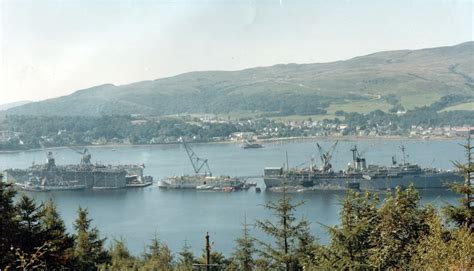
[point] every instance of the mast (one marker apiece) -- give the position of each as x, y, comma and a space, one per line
354, 155
402, 148
287, 167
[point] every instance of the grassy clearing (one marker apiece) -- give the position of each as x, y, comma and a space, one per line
465, 106
412, 101
360, 106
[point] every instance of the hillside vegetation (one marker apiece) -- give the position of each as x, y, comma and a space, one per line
405, 78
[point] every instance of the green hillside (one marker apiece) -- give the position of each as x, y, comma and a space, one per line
405, 78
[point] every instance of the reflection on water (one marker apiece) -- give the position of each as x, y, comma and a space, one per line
186, 215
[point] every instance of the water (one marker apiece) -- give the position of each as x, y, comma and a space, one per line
177, 216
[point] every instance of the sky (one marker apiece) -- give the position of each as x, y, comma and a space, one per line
53, 48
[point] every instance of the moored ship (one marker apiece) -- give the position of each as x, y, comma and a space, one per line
202, 178
359, 175
49, 176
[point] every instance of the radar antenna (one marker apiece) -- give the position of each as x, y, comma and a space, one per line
196, 162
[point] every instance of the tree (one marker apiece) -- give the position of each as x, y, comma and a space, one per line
285, 232
186, 258
351, 241
402, 223
245, 248
61, 243
8, 224
463, 215
158, 256
31, 232
308, 251
120, 257
88, 247
444, 249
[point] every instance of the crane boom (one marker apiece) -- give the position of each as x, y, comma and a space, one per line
326, 156
195, 160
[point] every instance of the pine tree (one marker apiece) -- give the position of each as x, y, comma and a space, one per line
88, 247
444, 249
186, 259
158, 256
285, 232
308, 251
245, 248
402, 224
61, 243
120, 257
31, 230
463, 215
8, 225
351, 241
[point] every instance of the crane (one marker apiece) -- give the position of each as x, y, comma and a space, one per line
86, 156
326, 156
197, 162
49, 155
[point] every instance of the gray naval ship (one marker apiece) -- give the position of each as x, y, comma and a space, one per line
49, 176
359, 175
202, 178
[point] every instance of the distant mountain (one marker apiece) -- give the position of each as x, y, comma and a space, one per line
406, 76
14, 104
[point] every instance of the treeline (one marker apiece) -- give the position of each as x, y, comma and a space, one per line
397, 233
64, 131
78, 130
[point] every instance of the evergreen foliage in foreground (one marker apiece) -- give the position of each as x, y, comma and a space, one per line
395, 234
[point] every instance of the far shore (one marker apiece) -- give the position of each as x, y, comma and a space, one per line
266, 140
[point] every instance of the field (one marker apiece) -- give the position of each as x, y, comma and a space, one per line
419, 100
465, 106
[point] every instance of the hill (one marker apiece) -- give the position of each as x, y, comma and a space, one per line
11, 105
405, 78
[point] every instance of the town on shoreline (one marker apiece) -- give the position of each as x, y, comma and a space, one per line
22, 133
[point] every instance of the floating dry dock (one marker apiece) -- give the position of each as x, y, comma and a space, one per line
49, 176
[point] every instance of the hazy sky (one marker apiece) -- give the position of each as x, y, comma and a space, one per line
53, 48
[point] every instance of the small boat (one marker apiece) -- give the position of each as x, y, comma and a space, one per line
258, 190
138, 181
250, 145
204, 187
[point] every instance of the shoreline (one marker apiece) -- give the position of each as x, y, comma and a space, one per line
266, 140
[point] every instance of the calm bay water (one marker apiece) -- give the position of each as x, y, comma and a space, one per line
177, 215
